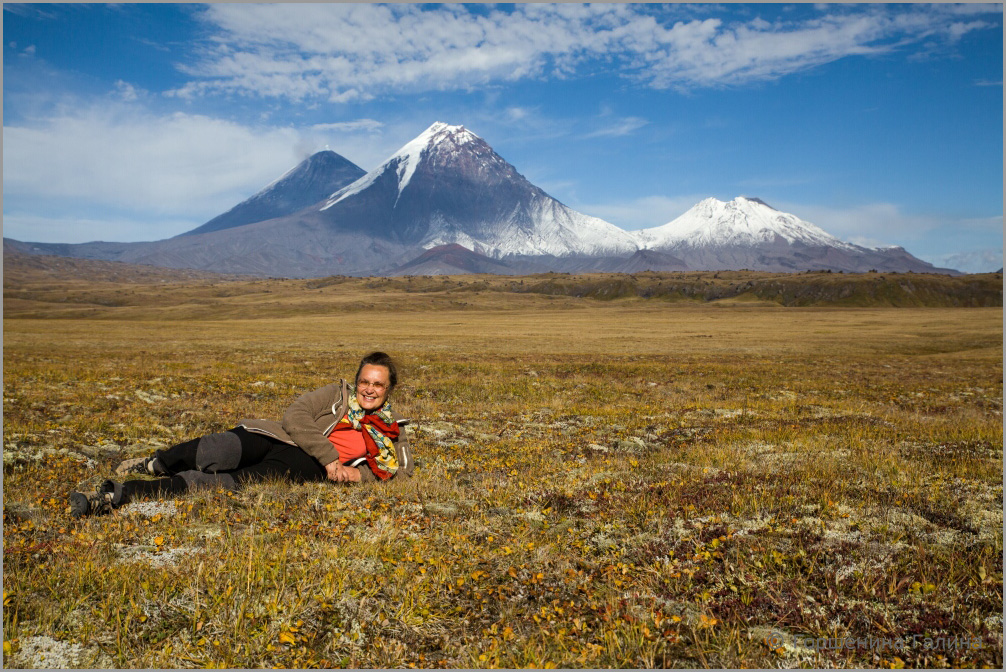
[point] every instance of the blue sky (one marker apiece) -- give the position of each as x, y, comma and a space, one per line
880, 123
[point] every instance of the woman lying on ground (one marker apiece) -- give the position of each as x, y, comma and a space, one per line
343, 433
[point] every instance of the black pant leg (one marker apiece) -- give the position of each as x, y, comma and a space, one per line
179, 457
254, 446
283, 461
161, 487
261, 457
184, 456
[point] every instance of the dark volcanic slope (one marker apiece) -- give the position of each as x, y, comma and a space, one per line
314, 179
451, 260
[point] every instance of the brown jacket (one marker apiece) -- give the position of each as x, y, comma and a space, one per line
310, 419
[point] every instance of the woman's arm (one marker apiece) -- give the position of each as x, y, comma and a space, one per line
299, 422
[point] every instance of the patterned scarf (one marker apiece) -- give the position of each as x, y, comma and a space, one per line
379, 428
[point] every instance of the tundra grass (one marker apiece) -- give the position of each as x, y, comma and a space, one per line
602, 484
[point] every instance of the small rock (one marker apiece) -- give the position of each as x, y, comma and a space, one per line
632, 444
441, 509
44, 652
150, 509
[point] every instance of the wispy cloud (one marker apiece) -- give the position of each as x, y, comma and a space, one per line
352, 52
860, 224
117, 154
619, 128
28, 9
971, 261
350, 126
127, 92
874, 224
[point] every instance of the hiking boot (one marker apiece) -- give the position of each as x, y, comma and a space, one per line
148, 466
137, 465
109, 495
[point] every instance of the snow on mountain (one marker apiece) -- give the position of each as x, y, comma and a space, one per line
406, 159
748, 233
448, 186
740, 222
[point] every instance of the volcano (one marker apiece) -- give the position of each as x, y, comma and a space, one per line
446, 202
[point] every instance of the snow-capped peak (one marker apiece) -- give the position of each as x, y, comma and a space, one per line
409, 156
406, 160
448, 186
439, 131
742, 221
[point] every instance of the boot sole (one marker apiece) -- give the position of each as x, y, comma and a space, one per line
133, 466
79, 505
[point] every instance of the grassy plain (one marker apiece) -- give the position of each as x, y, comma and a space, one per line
625, 483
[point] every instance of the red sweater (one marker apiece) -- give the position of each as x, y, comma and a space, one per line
348, 441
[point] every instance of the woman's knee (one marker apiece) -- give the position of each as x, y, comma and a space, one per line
218, 452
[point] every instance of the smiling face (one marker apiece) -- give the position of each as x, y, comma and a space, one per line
372, 386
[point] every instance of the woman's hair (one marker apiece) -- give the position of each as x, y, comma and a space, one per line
380, 359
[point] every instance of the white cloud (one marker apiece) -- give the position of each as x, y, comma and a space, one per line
619, 128
971, 261
180, 164
870, 224
514, 113
127, 92
349, 126
350, 52
966, 244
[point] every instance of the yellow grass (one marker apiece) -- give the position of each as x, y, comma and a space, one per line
623, 483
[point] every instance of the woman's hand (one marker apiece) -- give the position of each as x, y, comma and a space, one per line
340, 473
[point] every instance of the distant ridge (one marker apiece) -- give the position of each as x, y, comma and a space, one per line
19, 265
62, 288
815, 288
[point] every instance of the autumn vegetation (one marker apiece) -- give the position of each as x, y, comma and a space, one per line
623, 482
